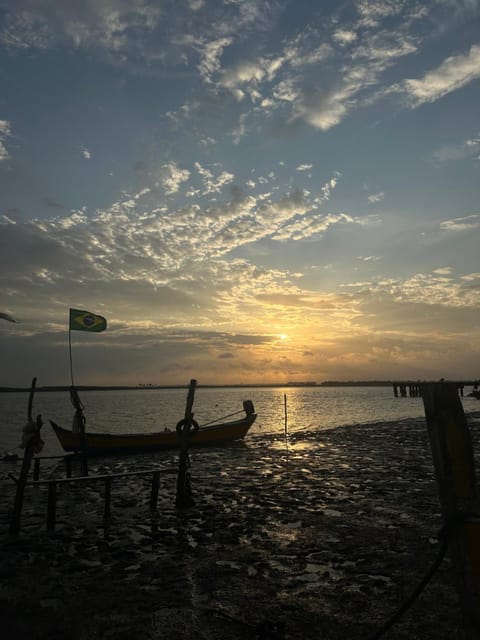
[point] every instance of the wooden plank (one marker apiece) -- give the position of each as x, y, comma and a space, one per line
99, 477
453, 461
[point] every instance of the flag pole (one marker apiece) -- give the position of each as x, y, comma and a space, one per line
70, 351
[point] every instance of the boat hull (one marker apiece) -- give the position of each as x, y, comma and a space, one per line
105, 443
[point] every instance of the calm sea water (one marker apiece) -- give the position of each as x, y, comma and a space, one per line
152, 410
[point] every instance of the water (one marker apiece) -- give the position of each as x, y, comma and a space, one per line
152, 410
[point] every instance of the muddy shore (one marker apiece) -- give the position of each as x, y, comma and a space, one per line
321, 538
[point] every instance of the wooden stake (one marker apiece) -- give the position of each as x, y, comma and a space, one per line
154, 491
453, 461
33, 445
184, 494
285, 410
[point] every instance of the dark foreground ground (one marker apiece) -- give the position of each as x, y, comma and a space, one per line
321, 539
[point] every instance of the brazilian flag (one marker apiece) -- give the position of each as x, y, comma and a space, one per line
86, 321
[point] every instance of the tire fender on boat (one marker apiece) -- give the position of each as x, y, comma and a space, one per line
193, 427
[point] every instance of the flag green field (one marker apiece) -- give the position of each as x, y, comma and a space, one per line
86, 321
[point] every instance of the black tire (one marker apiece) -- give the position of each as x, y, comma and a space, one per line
194, 427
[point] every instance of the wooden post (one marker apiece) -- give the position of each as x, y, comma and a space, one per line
184, 491
107, 496
51, 506
285, 411
453, 461
79, 421
154, 491
32, 444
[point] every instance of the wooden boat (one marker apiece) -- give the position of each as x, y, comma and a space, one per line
105, 443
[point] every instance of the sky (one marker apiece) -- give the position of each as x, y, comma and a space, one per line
249, 191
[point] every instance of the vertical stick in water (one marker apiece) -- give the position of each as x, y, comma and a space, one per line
285, 410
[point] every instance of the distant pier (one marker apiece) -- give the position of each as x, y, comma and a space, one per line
413, 388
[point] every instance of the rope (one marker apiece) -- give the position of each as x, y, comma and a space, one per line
415, 593
222, 418
446, 535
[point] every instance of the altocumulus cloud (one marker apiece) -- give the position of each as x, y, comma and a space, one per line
279, 75
136, 251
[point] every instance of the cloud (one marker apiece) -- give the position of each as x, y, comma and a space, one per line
470, 149
211, 54
440, 287
454, 73
141, 35
5, 132
326, 107
171, 177
99, 25
368, 258
141, 256
304, 167
371, 13
344, 36
244, 72
212, 183
196, 5
376, 197
468, 223
86, 153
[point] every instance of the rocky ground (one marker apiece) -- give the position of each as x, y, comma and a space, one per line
321, 538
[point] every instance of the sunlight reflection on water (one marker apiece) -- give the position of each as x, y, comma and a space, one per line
308, 408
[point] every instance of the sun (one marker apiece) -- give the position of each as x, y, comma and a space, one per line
283, 336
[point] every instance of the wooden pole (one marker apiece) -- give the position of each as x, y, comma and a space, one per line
285, 410
32, 444
184, 491
453, 461
79, 422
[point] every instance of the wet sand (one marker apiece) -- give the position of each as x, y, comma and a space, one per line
322, 538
